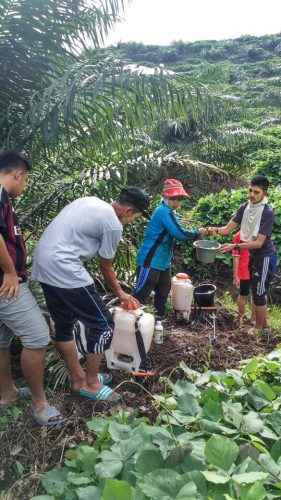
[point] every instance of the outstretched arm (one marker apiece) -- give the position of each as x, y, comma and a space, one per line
178, 231
224, 230
248, 245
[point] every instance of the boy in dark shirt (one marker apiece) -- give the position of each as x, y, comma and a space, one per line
19, 312
256, 221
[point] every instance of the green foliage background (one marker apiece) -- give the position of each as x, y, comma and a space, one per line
217, 435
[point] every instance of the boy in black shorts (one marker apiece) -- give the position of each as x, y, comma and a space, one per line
256, 219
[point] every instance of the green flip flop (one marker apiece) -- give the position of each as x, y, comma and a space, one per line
102, 395
103, 380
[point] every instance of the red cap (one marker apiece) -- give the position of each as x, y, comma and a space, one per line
172, 188
182, 276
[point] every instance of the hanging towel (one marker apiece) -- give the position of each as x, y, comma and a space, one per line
251, 220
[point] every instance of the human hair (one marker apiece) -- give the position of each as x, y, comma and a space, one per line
261, 181
11, 159
125, 203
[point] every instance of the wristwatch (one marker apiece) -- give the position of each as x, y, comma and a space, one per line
237, 247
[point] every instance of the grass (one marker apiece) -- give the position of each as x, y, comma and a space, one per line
274, 311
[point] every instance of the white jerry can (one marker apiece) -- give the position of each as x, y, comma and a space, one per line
182, 294
123, 353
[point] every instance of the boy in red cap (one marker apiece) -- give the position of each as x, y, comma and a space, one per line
156, 252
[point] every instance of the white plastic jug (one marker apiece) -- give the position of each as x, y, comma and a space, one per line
182, 294
123, 353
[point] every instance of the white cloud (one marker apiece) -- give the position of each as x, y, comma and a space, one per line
162, 21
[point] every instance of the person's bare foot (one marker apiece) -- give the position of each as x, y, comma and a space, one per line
83, 383
79, 383
14, 395
9, 397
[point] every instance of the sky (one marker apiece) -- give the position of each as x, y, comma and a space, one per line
163, 21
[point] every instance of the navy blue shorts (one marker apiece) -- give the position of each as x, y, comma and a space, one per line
262, 272
67, 305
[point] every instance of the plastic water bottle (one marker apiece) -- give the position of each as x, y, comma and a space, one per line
158, 333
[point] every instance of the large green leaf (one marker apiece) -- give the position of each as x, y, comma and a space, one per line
88, 493
117, 490
212, 410
251, 423
111, 465
274, 420
184, 387
260, 395
55, 481
249, 477
86, 458
215, 477
78, 479
189, 491
221, 451
270, 465
276, 450
119, 432
160, 484
149, 460
252, 492
188, 404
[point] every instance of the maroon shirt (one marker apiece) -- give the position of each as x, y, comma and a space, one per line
11, 232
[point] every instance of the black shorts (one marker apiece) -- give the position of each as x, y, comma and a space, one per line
262, 272
68, 305
245, 286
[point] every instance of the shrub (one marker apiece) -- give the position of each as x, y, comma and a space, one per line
271, 167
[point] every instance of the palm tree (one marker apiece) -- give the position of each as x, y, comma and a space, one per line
76, 111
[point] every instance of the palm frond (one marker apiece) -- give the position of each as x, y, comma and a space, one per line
100, 100
39, 39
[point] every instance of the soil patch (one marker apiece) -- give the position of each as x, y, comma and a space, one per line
39, 449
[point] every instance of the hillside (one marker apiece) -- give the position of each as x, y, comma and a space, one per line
249, 70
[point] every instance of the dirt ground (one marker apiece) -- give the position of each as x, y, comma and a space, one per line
39, 449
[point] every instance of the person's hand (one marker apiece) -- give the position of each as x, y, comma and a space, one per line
227, 247
202, 231
10, 286
213, 230
128, 301
236, 282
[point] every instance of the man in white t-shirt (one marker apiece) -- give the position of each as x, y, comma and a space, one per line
86, 228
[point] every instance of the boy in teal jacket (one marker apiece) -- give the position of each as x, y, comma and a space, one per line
156, 252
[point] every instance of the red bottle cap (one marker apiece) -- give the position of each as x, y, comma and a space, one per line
130, 305
182, 276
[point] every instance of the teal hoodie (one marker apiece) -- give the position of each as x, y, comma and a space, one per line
163, 228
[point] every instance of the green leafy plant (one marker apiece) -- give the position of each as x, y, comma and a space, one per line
217, 435
9, 415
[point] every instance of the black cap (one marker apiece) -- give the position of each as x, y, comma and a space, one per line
136, 197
